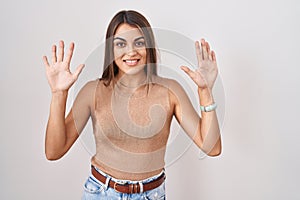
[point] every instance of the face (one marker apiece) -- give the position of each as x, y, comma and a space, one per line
129, 49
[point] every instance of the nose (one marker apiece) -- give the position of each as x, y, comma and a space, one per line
131, 50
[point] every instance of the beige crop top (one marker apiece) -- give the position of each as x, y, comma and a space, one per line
131, 125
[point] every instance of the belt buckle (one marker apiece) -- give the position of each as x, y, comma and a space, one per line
118, 183
133, 188
115, 187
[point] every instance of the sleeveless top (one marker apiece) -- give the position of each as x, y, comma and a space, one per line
131, 126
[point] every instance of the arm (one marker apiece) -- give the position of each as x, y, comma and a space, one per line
204, 131
61, 133
55, 132
210, 131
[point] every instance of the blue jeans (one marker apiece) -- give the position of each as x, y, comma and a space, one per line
95, 190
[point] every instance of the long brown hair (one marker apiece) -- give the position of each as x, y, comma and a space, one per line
136, 19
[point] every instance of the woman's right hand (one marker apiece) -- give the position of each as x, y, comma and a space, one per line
58, 72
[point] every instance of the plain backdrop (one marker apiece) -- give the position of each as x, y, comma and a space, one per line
257, 46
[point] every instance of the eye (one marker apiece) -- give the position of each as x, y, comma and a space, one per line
140, 44
120, 44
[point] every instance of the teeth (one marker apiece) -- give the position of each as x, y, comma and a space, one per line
131, 62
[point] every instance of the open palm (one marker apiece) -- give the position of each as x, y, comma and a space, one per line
206, 73
58, 72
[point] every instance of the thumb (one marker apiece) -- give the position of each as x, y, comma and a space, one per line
188, 71
78, 71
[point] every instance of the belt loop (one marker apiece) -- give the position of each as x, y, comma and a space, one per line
141, 187
107, 182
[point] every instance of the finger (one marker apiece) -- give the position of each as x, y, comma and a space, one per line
207, 46
213, 54
46, 63
198, 51
188, 71
60, 56
70, 53
204, 49
78, 71
208, 51
54, 59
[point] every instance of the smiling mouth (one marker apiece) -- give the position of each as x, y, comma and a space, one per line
131, 62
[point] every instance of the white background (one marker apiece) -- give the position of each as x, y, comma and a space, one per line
257, 45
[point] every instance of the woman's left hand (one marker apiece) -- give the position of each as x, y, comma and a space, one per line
206, 73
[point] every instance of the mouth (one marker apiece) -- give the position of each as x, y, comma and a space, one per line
131, 62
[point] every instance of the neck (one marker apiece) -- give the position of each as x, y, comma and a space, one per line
131, 80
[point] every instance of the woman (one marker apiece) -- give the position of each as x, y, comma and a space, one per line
131, 108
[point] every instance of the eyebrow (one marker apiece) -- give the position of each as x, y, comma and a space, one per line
119, 38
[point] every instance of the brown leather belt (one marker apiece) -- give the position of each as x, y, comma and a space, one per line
129, 188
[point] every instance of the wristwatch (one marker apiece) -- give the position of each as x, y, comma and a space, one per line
208, 108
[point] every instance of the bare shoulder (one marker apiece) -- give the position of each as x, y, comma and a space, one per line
172, 85
91, 85
166, 82
88, 89
85, 96
175, 90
